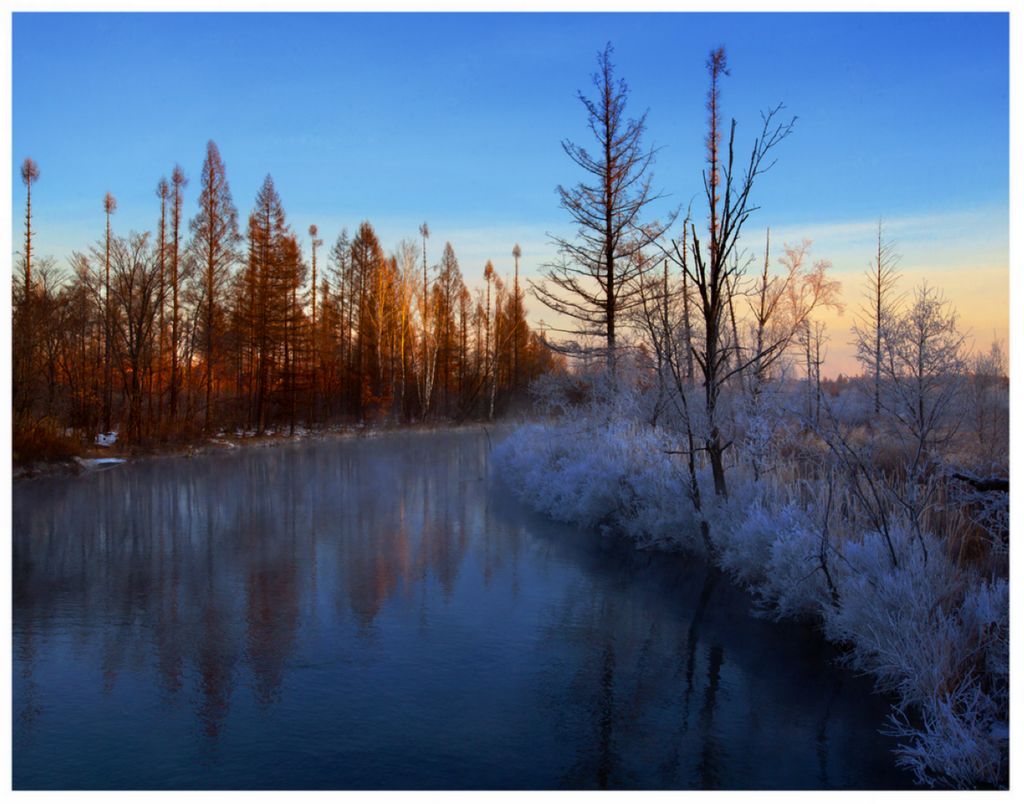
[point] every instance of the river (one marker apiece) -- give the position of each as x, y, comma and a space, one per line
382, 613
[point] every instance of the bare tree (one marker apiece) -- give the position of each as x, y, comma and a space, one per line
406, 282
429, 356
714, 275
922, 372
987, 404
109, 208
595, 279
785, 306
29, 175
517, 314
24, 329
315, 343
163, 192
876, 314
178, 181
135, 291
811, 339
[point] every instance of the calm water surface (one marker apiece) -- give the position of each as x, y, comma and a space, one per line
379, 613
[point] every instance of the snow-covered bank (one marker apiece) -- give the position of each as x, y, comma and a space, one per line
930, 630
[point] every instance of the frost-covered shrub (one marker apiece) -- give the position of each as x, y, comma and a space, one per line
743, 551
601, 475
795, 584
935, 638
959, 741
894, 616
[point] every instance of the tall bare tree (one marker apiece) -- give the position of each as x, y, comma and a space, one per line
163, 192
24, 329
714, 274
178, 182
109, 208
595, 280
29, 175
429, 355
314, 343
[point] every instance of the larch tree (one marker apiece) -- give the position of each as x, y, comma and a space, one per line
446, 294
369, 299
407, 282
498, 340
595, 279
877, 314
215, 239
29, 175
314, 340
270, 246
341, 260
109, 208
163, 192
24, 329
427, 368
178, 182
517, 312
489, 363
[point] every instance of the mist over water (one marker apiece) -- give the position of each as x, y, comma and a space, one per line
382, 613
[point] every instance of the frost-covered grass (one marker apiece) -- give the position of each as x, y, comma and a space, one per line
930, 630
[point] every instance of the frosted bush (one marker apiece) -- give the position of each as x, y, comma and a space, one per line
795, 584
745, 549
896, 618
600, 475
957, 743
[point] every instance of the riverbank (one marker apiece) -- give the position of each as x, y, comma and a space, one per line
927, 628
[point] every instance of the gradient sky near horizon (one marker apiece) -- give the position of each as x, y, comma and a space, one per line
457, 119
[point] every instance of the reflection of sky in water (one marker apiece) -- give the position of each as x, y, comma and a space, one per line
378, 613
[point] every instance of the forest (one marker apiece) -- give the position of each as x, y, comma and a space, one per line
196, 328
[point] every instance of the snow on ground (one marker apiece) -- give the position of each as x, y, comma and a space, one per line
98, 463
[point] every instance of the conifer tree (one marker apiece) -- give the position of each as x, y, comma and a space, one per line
178, 182
214, 240
595, 281
109, 208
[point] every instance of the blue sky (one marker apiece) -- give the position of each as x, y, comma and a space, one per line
456, 119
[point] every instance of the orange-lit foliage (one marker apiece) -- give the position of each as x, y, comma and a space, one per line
170, 336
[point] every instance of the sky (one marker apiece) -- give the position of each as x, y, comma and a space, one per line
458, 119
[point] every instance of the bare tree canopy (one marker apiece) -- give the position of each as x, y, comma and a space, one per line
594, 279
876, 314
714, 274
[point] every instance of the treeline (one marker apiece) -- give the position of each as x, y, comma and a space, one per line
206, 324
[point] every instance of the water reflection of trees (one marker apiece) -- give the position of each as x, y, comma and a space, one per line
206, 570
624, 715
676, 686
214, 578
